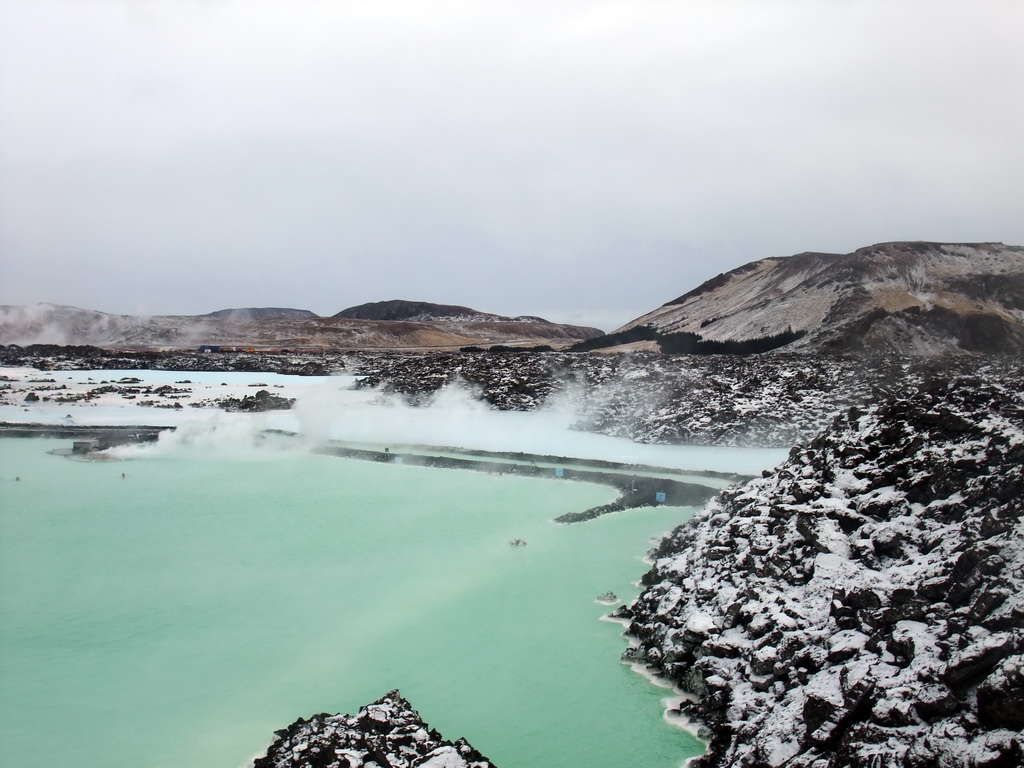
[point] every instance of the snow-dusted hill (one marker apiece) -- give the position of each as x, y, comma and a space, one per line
908, 297
863, 604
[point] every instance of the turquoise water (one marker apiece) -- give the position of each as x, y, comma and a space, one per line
178, 616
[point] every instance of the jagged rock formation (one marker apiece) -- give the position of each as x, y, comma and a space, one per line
273, 329
388, 733
514, 381
763, 401
906, 297
862, 605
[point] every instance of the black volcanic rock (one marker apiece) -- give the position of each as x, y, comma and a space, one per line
388, 733
511, 381
772, 400
864, 601
419, 311
260, 313
68, 358
258, 403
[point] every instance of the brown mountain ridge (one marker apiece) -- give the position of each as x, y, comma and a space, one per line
280, 328
904, 297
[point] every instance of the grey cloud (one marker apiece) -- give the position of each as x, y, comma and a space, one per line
586, 159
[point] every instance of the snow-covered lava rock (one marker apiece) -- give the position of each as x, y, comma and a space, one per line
388, 733
863, 604
773, 400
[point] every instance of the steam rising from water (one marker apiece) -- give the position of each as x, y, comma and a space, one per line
335, 410
451, 417
221, 435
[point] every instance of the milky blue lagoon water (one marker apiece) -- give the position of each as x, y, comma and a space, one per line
178, 616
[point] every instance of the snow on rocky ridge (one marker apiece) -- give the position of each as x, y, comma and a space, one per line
904, 297
388, 733
772, 401
863, 604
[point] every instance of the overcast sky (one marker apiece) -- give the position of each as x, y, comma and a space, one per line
584, 161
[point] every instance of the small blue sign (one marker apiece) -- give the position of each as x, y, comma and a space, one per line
659, 497
559, 472
398, 459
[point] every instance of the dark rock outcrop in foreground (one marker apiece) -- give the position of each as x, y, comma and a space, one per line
387, 733
863, 604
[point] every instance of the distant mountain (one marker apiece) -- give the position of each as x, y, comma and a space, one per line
273, 328
909, 297
424, 312
261, 313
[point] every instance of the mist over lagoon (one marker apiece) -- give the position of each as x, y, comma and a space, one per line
329, 407
181, 614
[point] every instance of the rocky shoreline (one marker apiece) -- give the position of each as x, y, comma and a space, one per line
862, 605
